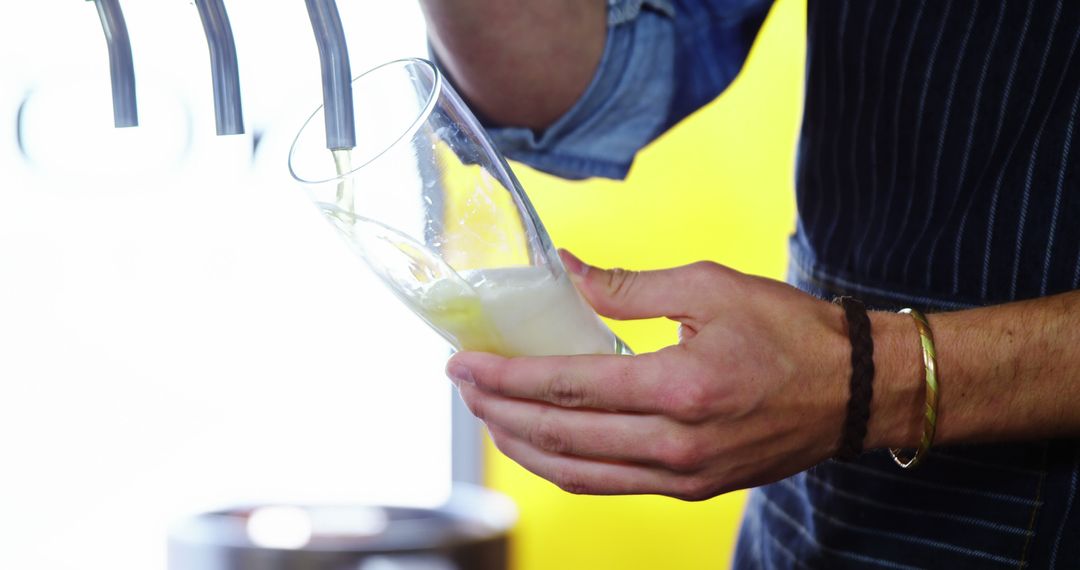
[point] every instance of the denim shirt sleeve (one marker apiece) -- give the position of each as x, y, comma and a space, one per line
662, 60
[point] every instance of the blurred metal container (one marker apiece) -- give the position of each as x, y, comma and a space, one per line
468, 532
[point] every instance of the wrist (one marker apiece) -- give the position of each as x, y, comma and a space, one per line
897, 410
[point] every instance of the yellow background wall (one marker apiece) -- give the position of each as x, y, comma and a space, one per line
719, 187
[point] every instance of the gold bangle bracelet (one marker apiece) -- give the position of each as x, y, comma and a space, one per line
926, 337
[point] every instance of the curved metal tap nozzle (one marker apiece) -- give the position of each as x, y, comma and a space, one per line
336, 74
223, 67
121, 68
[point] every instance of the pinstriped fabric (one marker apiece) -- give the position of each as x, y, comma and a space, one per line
965, 161
821, 87
871, 8
1068, 510
959, 519
791, 557
936, 176
855, 246
1003, 108
945, 456
935, 170
920, 117
1036, 206
1028, 500
970, 554
836, 191
920, 128
909, 46
804, 531
1025, 201
1055, 216
995, 196
1076, 272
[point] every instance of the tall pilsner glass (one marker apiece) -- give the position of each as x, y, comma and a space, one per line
431, 206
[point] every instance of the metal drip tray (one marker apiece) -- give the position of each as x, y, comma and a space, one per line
469, 532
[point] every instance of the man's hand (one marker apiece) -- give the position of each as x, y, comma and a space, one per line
754, 391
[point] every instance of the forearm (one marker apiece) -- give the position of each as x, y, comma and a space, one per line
519, 62
1009, 372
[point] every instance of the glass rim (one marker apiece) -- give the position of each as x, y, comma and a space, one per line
407, 133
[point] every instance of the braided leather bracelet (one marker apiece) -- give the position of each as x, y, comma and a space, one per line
862, 378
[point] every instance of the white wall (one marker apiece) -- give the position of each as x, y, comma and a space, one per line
179, 330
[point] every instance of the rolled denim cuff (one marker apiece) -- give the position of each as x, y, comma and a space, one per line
625, 106
623, 11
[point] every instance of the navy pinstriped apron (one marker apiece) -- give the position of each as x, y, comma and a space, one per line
937, 169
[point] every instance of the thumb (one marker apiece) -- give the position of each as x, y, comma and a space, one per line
621, 294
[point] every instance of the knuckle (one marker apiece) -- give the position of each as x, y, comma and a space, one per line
682, 455
695, 489
571, 483
707, 275
620, 282
563, 391
707, 269
546, 435
691, 401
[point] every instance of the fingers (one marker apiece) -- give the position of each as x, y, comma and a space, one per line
634, 438
585, 476
627, 383
682, 292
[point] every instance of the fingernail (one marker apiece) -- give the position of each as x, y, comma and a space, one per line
459, 373
574, 265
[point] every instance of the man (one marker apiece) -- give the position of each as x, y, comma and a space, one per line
936, 171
